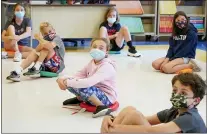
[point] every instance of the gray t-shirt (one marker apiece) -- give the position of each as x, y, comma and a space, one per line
20, 29
188, 122
60, 51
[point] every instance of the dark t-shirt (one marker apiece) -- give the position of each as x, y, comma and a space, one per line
113, 29
188, 122
20, 29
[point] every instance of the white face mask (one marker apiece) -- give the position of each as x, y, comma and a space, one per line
111, 20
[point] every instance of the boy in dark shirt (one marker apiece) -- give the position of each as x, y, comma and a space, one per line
188, 90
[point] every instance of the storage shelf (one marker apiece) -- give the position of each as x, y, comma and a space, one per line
143, 34
189, 15
138, 15
164, 34
196, 15
169, 34
151, 17
201, 33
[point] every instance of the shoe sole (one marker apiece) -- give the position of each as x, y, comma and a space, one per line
131, 55
14, 79
35, 75
16, 60
102, 113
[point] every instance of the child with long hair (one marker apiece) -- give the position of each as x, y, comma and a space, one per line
16, 35
117, 34
182, 48
95, 84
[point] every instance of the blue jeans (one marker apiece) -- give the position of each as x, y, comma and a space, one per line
85, 93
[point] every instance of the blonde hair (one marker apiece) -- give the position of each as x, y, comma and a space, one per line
43, 25
106, 41
111, 10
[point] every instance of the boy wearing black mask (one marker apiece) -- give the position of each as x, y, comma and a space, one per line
188, 90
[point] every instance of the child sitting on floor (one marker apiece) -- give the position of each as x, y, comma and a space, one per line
16, 35
182, 48
188, 90
95, 83
112, 30
48, 55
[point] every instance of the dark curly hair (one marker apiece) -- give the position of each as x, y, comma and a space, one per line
197, 84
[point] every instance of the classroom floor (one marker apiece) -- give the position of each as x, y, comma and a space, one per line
35, 105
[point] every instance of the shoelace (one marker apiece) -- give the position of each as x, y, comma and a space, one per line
13, 73
31, 69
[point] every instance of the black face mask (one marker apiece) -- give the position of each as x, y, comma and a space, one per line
179, 31
50, 36
181, 25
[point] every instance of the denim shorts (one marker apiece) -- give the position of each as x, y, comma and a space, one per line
186, 60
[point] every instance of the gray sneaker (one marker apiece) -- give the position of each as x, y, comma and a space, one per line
101, 111
14, 77
32, 72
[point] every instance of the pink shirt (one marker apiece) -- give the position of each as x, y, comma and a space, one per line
101, 75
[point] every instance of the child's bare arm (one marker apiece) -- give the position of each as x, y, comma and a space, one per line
44, 43
153, 120
170, 127
27, 33
6, 37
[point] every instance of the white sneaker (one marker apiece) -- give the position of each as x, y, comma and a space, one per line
17, 57
4, 55
137, 54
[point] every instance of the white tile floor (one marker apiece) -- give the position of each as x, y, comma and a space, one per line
35, 105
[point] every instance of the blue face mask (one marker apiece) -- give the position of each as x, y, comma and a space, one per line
19, 14
97, 54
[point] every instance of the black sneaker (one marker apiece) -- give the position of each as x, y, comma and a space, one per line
133, 52
72, 101
32, 72
14, 76
101, 111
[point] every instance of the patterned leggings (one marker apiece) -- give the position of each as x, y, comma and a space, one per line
85, 93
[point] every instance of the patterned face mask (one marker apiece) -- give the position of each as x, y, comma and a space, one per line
179, 101
181, 24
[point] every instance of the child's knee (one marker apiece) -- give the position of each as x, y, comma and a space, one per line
11, 28
129, 109
166, 69
155, 65
124, 28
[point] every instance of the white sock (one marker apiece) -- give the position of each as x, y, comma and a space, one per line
38, 64
18, 70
